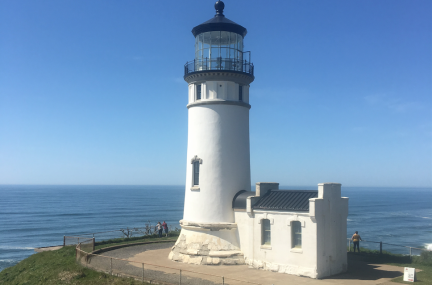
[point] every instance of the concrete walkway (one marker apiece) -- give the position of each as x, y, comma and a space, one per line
359, 272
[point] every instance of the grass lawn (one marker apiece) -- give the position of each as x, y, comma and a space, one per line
60, 267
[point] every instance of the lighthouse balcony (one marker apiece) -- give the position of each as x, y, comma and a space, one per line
219, 64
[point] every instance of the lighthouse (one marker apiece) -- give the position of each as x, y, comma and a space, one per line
301, 232
218, 152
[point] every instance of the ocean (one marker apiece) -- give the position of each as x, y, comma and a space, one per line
39, 216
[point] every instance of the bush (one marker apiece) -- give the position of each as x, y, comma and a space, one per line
425, 258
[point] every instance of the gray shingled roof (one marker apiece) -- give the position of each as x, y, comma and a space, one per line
286, 200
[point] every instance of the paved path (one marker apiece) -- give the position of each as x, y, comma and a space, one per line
359, 272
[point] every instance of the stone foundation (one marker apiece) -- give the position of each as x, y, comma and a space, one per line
207, 245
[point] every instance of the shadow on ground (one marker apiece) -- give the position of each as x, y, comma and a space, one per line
361, 268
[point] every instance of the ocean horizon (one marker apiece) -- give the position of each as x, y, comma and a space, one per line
40, 215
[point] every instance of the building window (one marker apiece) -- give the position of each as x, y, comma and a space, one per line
195, 161
296, 234
265, 232
196, 173
240, 93
198, 90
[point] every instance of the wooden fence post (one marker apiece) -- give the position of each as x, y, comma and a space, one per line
93, 241
64, 240
111, 266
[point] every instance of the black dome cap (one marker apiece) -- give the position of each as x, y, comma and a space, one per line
219, 23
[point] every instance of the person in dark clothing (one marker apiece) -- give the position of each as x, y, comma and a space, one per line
165, 228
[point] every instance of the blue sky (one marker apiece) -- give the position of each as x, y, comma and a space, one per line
92, 92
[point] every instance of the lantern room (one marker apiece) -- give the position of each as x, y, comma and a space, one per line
219, 46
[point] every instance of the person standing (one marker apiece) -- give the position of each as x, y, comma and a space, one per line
356, 240
165, 228
159, 229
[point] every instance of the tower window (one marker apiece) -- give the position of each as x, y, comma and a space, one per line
195, 161
240, 93
296, 234
198, 90
196, 173
265, 232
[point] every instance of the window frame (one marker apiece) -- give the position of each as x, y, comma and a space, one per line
195, 173
296, 235
195, 161
198, 92
265, 239
240, 92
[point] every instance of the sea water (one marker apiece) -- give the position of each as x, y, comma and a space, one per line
39, 216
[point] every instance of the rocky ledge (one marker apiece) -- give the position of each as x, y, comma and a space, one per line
205, 253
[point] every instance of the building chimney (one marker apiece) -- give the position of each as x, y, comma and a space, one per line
263, 187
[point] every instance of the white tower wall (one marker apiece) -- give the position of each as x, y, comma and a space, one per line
218, 134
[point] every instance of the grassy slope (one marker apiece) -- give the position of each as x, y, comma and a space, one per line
60, 267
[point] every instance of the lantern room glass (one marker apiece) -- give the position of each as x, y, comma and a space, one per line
218, 50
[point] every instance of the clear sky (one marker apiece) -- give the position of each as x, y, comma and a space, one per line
92, 92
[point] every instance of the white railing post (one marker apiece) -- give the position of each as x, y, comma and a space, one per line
143, 272
111, 271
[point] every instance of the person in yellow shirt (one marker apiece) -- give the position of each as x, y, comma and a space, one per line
356, 240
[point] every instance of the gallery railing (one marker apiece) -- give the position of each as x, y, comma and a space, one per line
219, 63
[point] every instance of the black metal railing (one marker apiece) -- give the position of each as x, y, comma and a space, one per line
219, 64
412, 250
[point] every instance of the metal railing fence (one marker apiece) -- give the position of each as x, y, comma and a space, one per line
364, 243
219, 64
86, 244
148, 272
132, 232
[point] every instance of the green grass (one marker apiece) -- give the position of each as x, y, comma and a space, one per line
57, 267
60, 267
422, 262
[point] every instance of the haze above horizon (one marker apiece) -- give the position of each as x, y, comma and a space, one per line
93, 92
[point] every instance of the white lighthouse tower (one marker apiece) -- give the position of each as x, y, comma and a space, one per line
218, 155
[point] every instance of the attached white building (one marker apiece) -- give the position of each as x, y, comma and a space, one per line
301, 232
295, 232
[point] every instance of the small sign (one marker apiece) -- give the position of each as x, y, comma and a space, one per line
409, 274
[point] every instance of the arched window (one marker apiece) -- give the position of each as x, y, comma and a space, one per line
265, 232
296, 234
